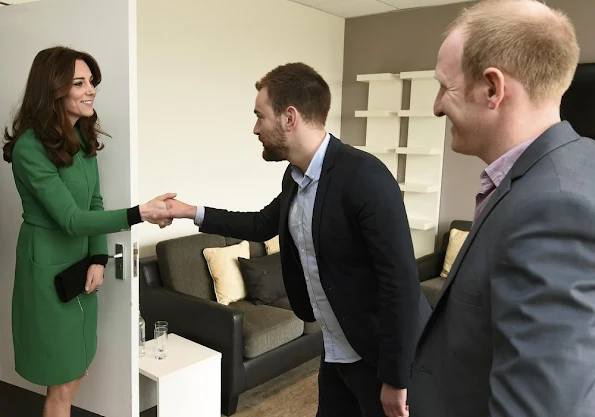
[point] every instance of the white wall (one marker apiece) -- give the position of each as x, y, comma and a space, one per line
198, 62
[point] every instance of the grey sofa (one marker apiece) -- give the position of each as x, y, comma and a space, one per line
430, 266
257, 342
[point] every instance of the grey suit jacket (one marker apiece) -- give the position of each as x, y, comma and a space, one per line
513, 333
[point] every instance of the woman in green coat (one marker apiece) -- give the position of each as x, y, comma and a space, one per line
53, 148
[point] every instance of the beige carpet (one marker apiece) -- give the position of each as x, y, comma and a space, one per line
293, 394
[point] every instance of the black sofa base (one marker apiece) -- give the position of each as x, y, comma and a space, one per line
274, 363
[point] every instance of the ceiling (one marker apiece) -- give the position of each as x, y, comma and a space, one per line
346, 8
9, 2
354, 8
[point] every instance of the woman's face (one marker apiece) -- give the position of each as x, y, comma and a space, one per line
79, 101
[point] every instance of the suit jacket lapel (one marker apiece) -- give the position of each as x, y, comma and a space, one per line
289, 190
494, 199
558, 135
323, 184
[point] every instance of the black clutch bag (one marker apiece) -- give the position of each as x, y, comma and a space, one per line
71, 282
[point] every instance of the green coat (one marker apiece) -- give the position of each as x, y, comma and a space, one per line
63, 221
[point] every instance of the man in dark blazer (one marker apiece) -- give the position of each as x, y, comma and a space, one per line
513, 331
346, 250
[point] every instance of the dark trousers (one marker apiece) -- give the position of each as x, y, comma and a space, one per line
348, 390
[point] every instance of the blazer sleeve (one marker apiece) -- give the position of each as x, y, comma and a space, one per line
385, 228
38, 174
97, 244
257, 226
543, 310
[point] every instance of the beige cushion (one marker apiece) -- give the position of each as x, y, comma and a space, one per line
272, 245
224, 268
455, 242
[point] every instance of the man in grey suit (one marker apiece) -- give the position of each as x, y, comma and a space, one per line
513, 332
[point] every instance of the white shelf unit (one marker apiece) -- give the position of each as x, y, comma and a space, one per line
424, 148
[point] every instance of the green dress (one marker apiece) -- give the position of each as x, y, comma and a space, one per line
63, 221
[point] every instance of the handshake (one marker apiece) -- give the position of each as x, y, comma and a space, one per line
162, 210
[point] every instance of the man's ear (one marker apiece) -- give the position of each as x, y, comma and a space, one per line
494, 83
291, 119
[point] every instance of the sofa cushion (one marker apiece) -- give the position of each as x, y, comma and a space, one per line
272, 245
267, 327
431, 289
225, 270
455, 242
183, 267
309, 327
263, 278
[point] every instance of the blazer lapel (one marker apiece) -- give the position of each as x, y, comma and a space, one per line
289, 190
494, 199
323, 184
558, 135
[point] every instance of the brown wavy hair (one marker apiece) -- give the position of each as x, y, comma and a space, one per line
42, 108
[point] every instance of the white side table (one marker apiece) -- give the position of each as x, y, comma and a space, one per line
187, 383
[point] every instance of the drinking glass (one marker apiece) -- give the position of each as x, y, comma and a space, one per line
161, 323
160, 342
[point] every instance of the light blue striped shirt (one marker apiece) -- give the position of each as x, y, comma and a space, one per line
336, 346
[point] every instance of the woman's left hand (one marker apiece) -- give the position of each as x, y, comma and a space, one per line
94, 278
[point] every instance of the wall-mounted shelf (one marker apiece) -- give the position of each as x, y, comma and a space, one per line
376, 113
389, 113
376, 149
422, 224
416, 75
378, 77
416, 113
418, 151
413, 187
422, 151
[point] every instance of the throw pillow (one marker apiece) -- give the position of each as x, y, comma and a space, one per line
272, 245
263, 278
225, 270
455, 242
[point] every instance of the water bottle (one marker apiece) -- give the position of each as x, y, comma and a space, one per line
141, 342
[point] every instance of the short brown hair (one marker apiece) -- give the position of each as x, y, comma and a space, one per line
298, 85
536, 47
42, 108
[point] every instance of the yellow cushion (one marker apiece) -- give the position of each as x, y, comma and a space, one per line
225, 270
455, 242
272, 245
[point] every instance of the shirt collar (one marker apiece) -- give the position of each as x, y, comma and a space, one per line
315, 168
497, 170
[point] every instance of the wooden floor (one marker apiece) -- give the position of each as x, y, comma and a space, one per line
293, 394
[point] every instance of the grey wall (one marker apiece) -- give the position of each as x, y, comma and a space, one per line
409, 41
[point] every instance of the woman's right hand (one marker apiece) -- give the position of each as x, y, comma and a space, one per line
155, 211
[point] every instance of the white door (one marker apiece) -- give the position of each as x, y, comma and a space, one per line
107, 30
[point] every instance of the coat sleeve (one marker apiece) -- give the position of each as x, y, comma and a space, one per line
385, 228
543, 310
40, 177
97, 244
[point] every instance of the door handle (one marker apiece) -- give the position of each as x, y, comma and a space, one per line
119, 258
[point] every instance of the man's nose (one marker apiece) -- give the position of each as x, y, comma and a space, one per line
438, 112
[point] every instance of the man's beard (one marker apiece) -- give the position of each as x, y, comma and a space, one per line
274, 144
